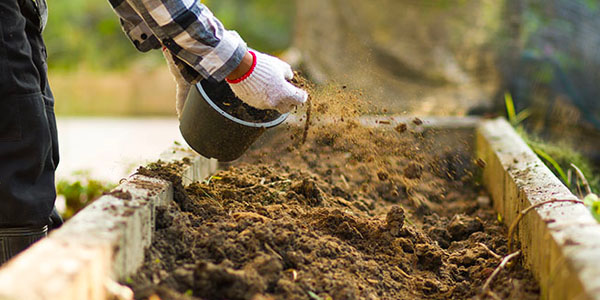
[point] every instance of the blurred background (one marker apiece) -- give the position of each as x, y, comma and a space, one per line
96, 70
422, 57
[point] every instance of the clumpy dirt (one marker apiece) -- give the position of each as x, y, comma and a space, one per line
225, 99
354, 213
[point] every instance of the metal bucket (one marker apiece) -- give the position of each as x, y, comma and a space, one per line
211, 131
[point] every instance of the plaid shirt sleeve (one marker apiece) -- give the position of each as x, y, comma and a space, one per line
198, 41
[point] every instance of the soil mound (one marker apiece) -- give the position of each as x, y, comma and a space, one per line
383, 214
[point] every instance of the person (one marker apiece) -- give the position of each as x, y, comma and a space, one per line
28, 140
197, 47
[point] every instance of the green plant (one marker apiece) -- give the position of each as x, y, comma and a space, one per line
542, 154
314, 296
513, 117
557, 157
591, 200
80, 192
563, 156
593, 203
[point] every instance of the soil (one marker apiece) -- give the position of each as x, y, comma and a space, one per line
354, 213
225, 99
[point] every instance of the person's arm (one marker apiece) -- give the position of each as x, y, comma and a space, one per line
202, 48
134, 27
191, 32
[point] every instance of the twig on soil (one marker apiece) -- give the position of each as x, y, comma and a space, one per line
524, 212
307, 124
586, 184
486, 286
492, 253
268, 247
270, 184
358, 232
402, 272
345, 181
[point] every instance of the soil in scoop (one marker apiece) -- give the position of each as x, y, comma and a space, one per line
378, 215
225, 99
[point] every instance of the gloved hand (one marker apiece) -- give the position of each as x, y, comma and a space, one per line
266, 86
183, 87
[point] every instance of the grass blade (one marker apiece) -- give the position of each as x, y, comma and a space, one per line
510, 108
554, 164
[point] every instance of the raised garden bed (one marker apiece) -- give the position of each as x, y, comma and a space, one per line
386, 212
339, 217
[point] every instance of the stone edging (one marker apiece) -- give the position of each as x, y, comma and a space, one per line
560, 241
102, 243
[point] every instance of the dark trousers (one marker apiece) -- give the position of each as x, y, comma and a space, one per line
28, 139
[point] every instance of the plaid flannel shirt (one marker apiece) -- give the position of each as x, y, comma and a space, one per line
201, 47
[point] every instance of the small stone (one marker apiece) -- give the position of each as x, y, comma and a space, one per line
461, 227
440, 235
383, 176
395, 220
464, 258
401, 128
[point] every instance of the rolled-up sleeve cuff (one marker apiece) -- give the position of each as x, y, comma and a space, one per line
224, 58
142, 37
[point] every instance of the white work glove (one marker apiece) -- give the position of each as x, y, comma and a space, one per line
183, 87
266, 85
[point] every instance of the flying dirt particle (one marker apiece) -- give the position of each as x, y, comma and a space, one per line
383, 176
418, 122
480, 163
307, 124
383, 122
413, 170
401, 128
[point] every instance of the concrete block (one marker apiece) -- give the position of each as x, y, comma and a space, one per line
560, 241
105, 240
55, 269
199, 167
123, 220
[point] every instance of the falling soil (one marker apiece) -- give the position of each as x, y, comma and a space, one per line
355, 213
225, 99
